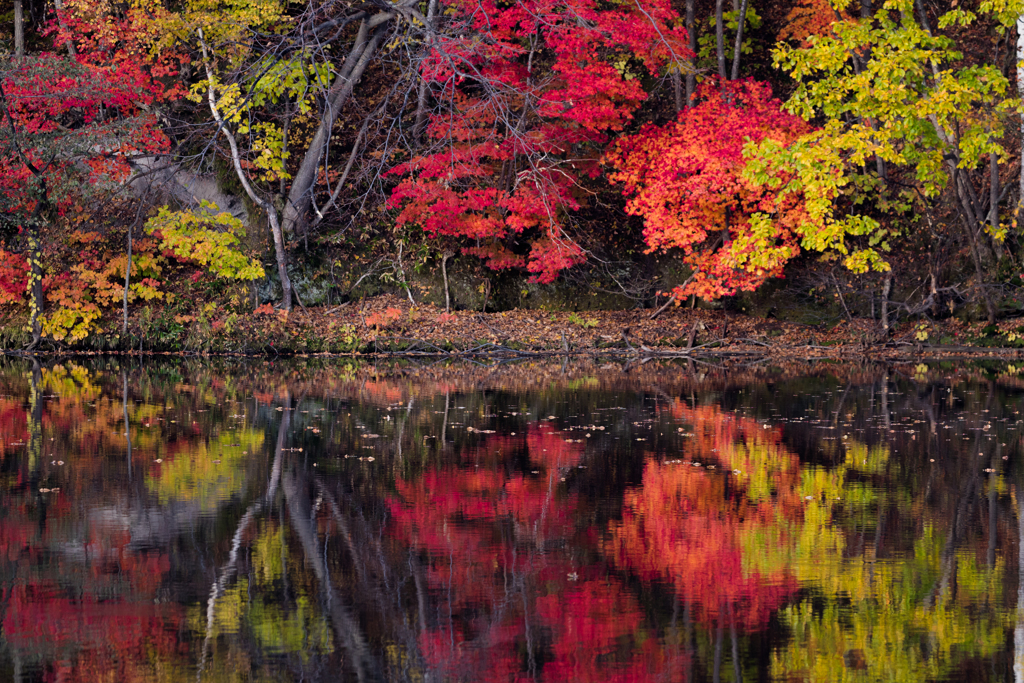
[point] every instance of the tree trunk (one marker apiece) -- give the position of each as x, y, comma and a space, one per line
741, 21
236, 159
444, 274
19, 29
1020, 93
677, 89
886, 288
127, 280
421, 95
691, 34
59, 6
35, 286
993, 204
300, 198
127, 419
720, 39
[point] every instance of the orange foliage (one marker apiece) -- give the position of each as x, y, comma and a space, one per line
682, 525
810, 18
686, 180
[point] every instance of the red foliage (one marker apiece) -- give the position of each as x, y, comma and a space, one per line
489, 537
686, 180
383, 319
73, 124
532, 91
13, 276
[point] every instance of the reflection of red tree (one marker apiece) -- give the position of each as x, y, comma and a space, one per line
83, 620
13, 426
598, 636
515, 607
88, 638
664, 535
683, 524
471, 522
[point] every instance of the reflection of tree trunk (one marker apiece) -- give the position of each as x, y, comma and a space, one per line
717, 675
688, 637
444, 425
421, 593
1018, 631
346, 531
992, 509
737, 671
947, 581
879, 538
401, 429
227, 572
347, 630
885, 403
35, 429
842, 401
127, 423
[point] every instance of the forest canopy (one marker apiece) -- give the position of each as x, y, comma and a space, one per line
247, 152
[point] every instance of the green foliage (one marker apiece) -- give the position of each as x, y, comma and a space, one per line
707, 41
208, 238
585, 323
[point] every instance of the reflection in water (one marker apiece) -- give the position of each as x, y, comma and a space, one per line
194, 522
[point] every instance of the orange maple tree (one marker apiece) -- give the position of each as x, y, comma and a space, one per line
686, 180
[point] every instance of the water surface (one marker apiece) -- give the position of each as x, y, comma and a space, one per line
216, 521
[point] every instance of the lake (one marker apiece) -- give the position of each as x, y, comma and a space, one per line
573, 520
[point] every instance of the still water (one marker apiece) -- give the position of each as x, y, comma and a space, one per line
250, 521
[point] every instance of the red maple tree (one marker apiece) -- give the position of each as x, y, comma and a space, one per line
531, 93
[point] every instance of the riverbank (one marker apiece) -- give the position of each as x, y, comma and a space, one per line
387, 324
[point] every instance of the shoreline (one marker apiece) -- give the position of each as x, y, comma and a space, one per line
390, 327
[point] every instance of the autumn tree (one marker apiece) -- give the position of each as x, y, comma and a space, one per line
70, 127
527, 96
686, 180
906, 118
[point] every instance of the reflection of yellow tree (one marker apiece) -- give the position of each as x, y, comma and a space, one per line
776, 523
884, 619
208, 473
886, 632
300, 629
